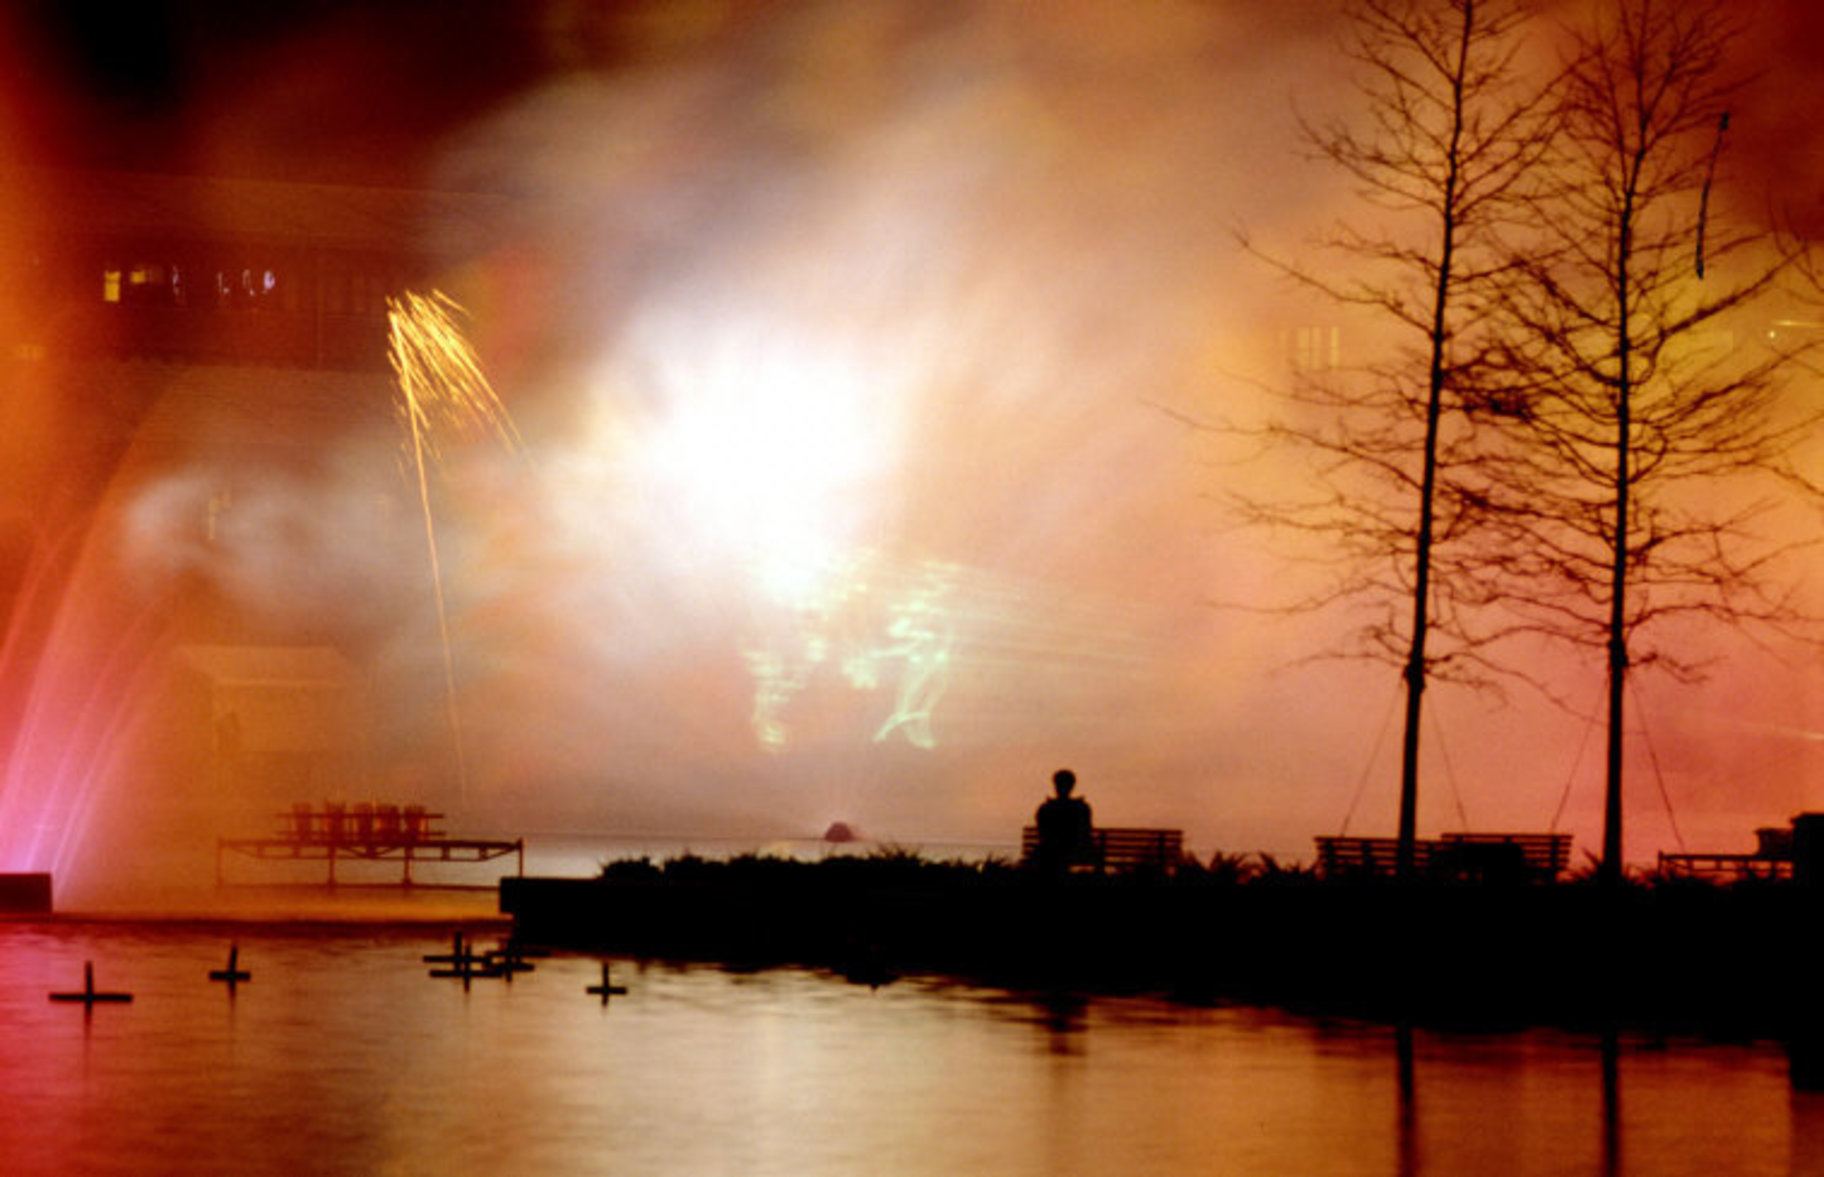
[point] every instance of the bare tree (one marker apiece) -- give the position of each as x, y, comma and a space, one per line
1648, 402
1444, 140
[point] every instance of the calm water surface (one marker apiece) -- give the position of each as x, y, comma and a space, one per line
342, 1056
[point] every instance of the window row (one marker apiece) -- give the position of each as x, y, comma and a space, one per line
294, 281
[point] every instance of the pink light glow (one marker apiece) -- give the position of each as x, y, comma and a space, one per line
850, 352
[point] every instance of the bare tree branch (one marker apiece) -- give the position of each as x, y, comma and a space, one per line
1647, 425
1444, 149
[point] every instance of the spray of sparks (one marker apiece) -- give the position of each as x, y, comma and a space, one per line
443, 393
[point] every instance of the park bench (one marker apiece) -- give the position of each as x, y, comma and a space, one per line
1772, 859
1503, 856
1720, 867
1122, 849
1483, 856
1340, 857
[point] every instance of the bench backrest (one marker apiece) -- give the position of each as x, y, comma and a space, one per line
1368, 856
1457, 855
1122, 847
1546, 852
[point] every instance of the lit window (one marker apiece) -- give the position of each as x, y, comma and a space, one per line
110, 286
147, 284
1314, 349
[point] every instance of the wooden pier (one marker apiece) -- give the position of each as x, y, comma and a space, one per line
364, 832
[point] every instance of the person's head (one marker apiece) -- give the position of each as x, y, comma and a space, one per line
1063, 781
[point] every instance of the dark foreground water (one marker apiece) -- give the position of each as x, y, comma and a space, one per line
342, 1056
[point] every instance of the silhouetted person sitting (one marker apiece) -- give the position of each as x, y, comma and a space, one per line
1066, 836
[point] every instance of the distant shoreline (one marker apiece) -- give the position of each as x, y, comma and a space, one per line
1672, 957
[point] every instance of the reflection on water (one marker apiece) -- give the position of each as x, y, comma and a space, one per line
342, 1055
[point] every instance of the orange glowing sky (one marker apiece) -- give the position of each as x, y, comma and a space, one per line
841, 339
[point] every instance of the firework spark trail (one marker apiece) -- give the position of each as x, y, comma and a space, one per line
442, 389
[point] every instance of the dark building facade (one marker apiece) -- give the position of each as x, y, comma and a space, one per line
209, 271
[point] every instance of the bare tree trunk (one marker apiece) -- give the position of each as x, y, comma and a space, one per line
1453, 129
1610, 870
1405, 853
1627, 419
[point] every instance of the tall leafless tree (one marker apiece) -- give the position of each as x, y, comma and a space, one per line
1649, 398
1440, 148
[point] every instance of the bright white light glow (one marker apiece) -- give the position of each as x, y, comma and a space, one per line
770, 446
